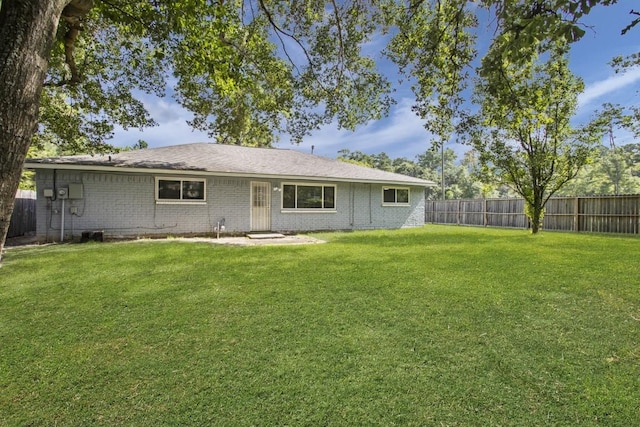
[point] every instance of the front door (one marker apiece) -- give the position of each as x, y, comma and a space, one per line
260, 206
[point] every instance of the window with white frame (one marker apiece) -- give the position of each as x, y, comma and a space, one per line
394, 196
308, 197
180, 190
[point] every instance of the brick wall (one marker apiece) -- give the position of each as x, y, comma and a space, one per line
358, 206
123, 205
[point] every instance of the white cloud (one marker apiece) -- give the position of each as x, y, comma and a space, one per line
169, 133
608, 86
164, 111
400, 135
172, 126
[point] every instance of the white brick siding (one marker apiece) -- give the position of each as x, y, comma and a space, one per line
123, 205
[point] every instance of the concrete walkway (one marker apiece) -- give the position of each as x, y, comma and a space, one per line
234, 241
246, 241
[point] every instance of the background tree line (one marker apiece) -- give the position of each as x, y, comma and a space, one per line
610, 170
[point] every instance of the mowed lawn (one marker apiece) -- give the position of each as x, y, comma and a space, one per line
442, 326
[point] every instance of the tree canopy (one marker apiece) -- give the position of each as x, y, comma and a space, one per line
523, 132
247, 70
251, 70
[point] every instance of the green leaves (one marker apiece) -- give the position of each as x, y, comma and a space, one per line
529, 142
434, 47
230, 77
250, 70
336, 79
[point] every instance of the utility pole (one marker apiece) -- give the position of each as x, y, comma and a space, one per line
442, 170
616, 160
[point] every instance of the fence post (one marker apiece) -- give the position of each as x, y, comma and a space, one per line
576, 214
607, 214
485, 220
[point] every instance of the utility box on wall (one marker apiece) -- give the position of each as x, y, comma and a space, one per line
96, 236
75, 191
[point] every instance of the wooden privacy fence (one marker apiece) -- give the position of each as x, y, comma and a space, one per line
23, 219
596, 214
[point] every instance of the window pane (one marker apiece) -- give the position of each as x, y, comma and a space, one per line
169, 190
329, 197
389, 195
309, 197
289, 196
402, 195
193, 190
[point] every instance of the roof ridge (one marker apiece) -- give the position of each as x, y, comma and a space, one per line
230, 160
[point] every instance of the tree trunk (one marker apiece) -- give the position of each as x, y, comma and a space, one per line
27, 32
536, 212
536, 220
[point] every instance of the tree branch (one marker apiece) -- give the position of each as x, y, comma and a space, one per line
340, 40
633, 23
281, 31
72, 15
124, 12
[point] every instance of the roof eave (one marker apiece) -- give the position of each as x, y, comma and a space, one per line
121, 169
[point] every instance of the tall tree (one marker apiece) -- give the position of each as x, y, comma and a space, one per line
27, 31
248, 70
431, 162
612, 169
525, 136
614, 163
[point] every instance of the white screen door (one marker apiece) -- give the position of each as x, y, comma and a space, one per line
260, 206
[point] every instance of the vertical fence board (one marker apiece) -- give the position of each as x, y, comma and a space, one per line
23, 219
595, 214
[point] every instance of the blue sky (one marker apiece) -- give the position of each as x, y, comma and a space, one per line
401, 134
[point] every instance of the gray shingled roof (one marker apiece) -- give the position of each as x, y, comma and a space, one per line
228, 160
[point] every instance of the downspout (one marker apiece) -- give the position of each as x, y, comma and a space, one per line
370, 204
352, 202
62, 223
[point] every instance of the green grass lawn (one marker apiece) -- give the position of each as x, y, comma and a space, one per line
442, 326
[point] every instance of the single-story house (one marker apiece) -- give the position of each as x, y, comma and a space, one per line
206, 188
